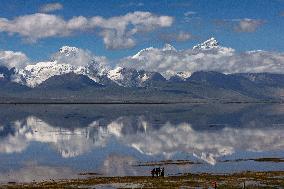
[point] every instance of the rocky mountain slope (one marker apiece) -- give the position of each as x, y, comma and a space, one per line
76, 75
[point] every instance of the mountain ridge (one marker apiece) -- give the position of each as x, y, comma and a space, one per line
92, 80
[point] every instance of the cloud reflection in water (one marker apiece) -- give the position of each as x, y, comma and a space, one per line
166, 140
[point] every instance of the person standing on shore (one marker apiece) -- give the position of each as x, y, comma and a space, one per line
163, 172
153, 172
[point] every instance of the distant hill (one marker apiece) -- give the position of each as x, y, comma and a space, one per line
69, 81
62, 79
199, 87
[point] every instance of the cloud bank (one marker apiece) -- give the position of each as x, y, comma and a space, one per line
11, 59
78, 57
167, 60
220, 59
117, 32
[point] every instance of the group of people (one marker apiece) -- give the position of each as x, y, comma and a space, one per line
158, 172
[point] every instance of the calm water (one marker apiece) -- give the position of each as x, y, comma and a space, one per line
40, 142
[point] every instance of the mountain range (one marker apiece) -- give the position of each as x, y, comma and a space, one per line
57, 80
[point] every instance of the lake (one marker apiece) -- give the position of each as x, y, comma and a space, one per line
42, 142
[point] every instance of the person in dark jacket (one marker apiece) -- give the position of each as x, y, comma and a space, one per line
153, 172
163, 172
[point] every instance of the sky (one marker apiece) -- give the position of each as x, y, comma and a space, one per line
119, 28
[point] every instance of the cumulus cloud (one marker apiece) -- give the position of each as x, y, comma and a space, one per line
117, 32
245, 25
180, 36
50, 7
221, 59
11, 59
36, 26
248, 25
117, 40
78, 57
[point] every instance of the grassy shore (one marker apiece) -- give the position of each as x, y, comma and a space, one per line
273, 179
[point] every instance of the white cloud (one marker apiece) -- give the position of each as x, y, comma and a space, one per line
117, 32
50, 7
117, 40
180, 36
244, 25
36, 26
248, 25
77, 57
12, 59
221, 59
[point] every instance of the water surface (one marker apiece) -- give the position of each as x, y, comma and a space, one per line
41, 142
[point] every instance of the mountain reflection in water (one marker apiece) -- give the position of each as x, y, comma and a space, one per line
94, 137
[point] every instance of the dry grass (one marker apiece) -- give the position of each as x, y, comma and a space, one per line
252, 179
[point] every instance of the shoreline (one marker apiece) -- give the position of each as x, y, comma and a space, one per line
139, 103
270, 179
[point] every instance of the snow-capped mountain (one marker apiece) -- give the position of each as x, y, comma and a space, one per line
141, 54
68, 51
180, 77
69, 60
181, 63
213, 44
208, 44
130, 77
168, 47
74, 60
66, 60
33, 75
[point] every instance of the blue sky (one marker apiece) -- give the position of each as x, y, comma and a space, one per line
240, 24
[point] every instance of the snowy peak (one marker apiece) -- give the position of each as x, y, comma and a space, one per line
33, 75
141, 52
115, 74
66, 60
168, 47
68, 51
144, 53
208, 44
129, 77
183, 75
